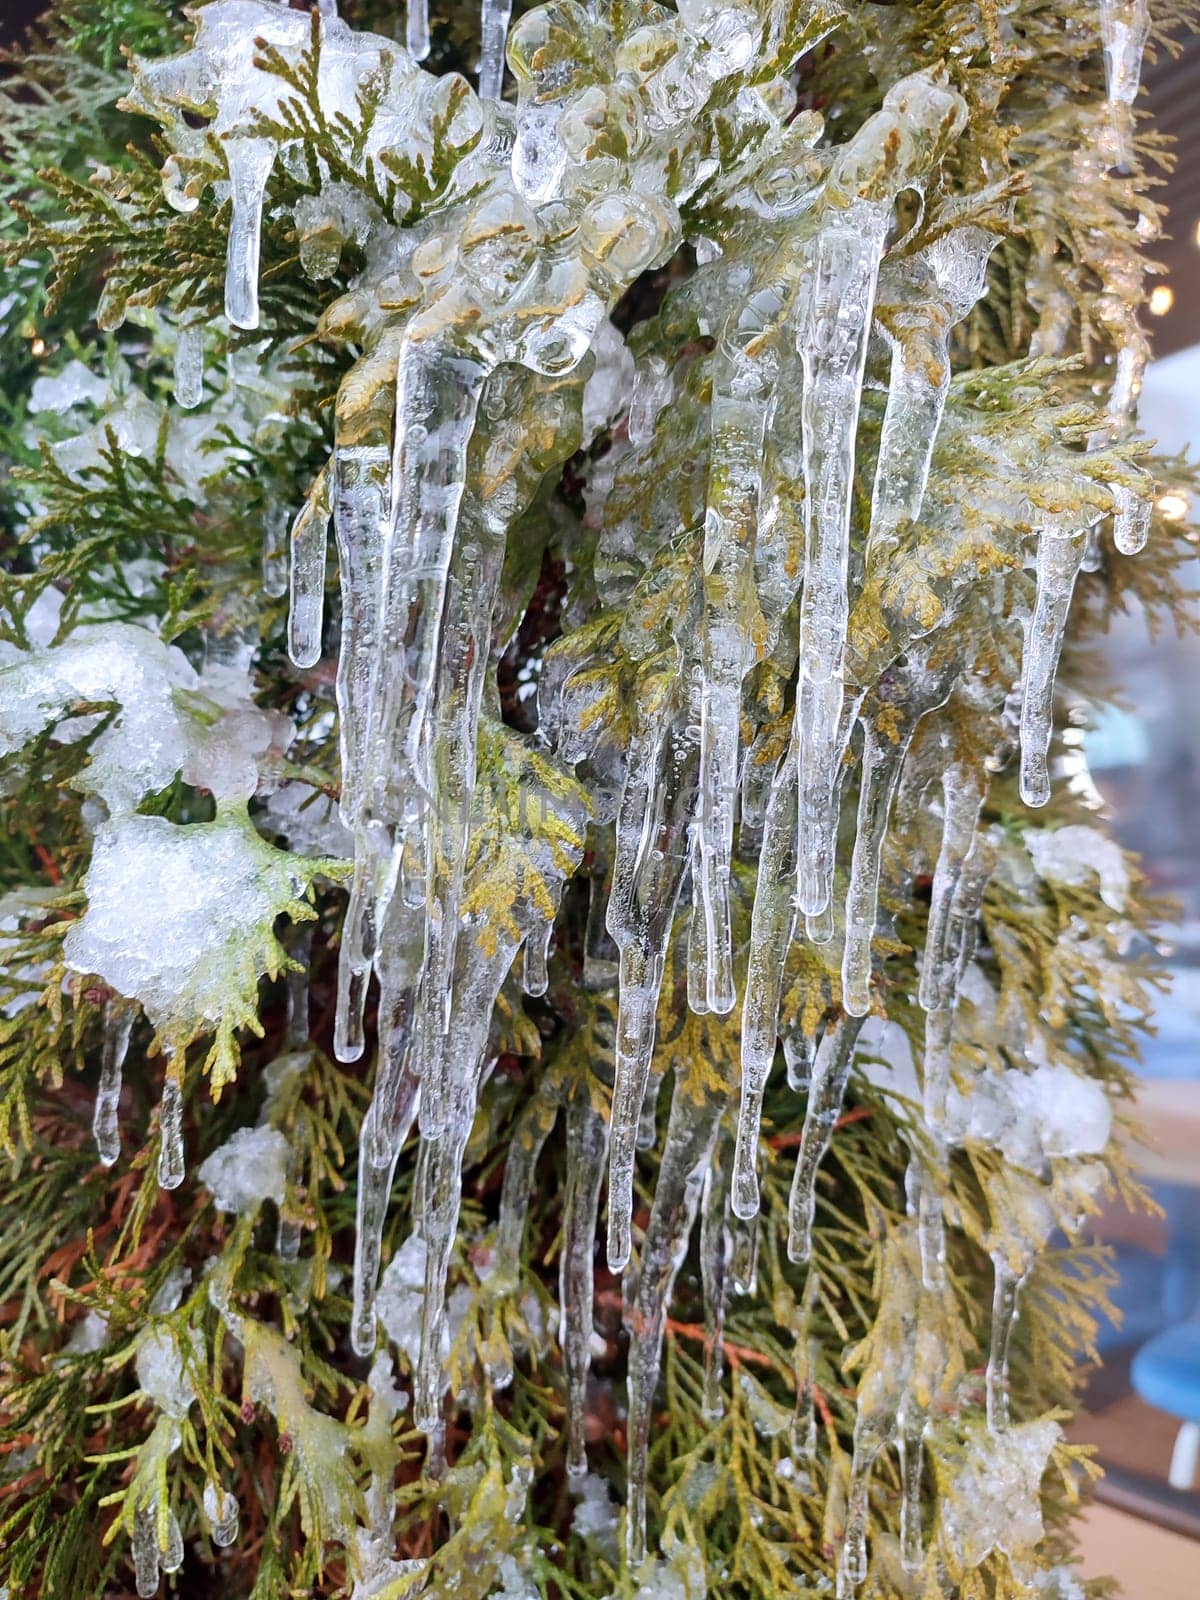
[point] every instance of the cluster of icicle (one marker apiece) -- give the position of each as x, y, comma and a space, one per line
470, 323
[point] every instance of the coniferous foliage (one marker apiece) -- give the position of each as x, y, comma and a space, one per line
563, 1008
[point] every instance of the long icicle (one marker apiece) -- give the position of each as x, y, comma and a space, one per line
830, 1075
1059, 558
106, 1129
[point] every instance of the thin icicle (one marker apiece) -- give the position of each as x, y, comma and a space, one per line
1005, 1310
374, 1191
536, 976
533, 1127
171, 1554
1124, 28
716, 1252
962, 800
493, 36
189, 365
250, 161
172, 1166
741, 392
687, 1150
118, 1025
310, 533
275, 552
587, 1149
145, 1552
1058, 562
831, 1072
799, 1051
804, 1424
651, 857
416, 34
771, 930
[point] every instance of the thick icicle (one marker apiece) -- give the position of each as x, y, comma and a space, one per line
118, 1025
416, 31
687, 1150
172, 1167
1058, 561
831, 1072
250, 161
493, 36
189, 365
1131, 520
587, 1148
171, 1554
771, 930
310, 532
535, 979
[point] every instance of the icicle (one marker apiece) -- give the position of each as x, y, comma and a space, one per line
385, 1127
651, 855
417, 29
1124, 27
804, 1425
716, 1251
653, 387
799, 1049
171, 1555
687, 1150
493, 35
530, 1132
902, 699
118, 1025
587, 1148
1005, 1309
833, 347
172, 1167
852, 1569
741, 391
250, 162
961, 805
830, 1075
536, 977
221, 1509
275, 553
920, 373
189, 365
145, 1552
310, 532
909, 1445
1058, 562
743, 1268
1131, 520
770, 936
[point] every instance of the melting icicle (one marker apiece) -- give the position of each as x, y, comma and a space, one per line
799, 1049
221, 1509
687, 1152
145, 1552
804, 1425
172, 1167
275, 552
771, 934
118, 1025
653, 387
189, 365
831, 1072
587, 1148
250, 162
1058, 562
961, 805
493, 36
379, 1150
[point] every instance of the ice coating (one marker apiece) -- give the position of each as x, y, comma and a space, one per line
480, 355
